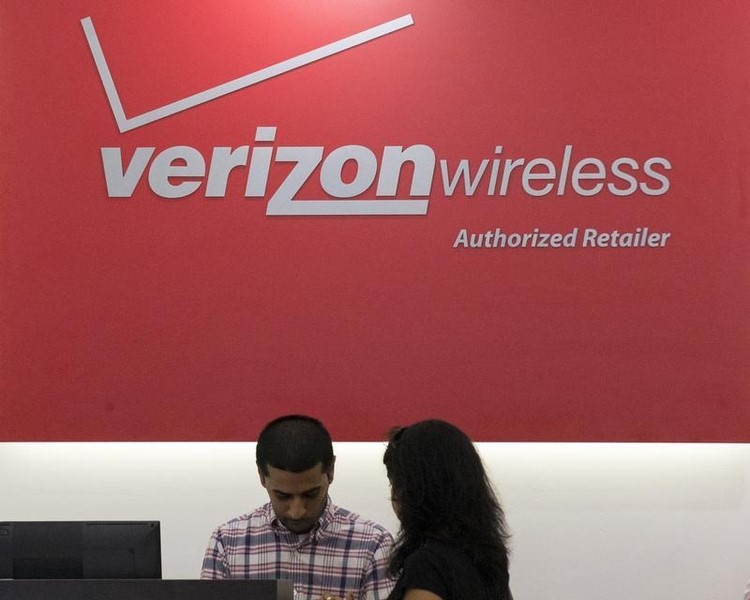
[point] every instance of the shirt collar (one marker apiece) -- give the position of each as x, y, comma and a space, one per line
325, 520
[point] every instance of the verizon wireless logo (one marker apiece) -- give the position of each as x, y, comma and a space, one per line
489, 177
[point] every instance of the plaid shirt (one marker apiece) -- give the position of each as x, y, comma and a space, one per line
343, 553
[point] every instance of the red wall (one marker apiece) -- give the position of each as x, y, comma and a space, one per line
131, 316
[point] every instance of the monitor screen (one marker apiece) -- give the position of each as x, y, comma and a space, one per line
80, 550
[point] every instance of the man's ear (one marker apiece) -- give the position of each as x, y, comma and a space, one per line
262, 477
330, 471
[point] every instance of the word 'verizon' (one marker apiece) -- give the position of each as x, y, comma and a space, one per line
349, 171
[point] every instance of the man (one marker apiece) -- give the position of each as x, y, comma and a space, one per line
300, 534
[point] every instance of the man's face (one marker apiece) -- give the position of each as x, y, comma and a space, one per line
298, 499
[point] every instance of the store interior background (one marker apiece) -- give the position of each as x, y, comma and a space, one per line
145, 319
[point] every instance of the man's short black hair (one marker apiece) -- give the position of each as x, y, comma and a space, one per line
294, 443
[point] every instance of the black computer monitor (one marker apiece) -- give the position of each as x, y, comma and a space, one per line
80, 550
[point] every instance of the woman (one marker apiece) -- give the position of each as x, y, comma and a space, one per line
452, 541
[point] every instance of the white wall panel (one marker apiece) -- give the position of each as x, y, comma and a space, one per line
589, 521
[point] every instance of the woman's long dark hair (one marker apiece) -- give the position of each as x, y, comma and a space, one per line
441, 492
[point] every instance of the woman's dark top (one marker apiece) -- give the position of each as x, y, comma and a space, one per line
447, 571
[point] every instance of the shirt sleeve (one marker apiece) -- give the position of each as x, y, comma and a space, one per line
423, 570
377, 583
215, 564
